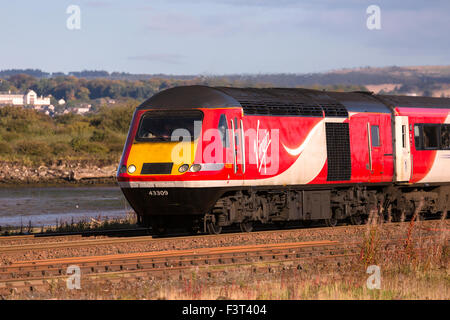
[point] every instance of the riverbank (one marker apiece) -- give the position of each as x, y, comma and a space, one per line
86, 225
25, 205
83, 172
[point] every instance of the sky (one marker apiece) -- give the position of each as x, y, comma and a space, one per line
222, 36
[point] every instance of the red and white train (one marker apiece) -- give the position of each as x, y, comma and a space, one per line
209, 157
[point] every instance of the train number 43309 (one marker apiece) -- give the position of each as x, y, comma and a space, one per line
158, 193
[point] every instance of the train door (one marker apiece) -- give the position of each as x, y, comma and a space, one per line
375, 147
238, 144
402, 150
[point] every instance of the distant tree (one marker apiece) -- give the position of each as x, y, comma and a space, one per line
83, 94
22, 81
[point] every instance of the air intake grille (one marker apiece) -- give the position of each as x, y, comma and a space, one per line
338, 151
277, 108
334, 110
280, 109
157, 168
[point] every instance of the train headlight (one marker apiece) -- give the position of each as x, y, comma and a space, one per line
183, 168
195, 167
131, 168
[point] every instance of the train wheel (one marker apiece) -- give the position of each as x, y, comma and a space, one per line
307, 223
213, 228
280, 224
357, 219
398, 216
194, 229
158, 224
246, 226
159, 230
332, 222
193, 226
144, 221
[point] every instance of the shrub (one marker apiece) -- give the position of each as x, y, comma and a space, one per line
32, 148
94, 148
77, 143
5, 148
60, 148
98, 136
116, 147
8, 136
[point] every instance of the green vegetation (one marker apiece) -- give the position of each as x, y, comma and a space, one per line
75, 90
31, 137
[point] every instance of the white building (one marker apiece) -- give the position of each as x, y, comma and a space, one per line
21, 99
81, 110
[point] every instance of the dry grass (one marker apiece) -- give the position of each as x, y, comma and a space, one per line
407, 272
309, 283
83, 225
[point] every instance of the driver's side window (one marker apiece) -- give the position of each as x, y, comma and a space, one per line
223, 128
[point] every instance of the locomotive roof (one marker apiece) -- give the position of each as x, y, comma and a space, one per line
285, 100
188, 97
416, 102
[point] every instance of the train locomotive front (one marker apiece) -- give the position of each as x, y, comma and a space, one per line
204, 158
162, 173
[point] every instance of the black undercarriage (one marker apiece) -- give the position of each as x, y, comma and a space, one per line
211, 209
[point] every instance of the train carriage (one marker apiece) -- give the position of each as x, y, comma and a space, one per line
209, 157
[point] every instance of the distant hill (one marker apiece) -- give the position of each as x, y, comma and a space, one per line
420, 80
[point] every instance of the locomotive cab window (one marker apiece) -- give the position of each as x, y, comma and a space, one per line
223, 129
375, 136
160, 126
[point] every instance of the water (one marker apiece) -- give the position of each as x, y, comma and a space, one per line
45, 205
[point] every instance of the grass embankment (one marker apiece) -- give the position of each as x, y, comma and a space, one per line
31, 138
405, 273
84, 225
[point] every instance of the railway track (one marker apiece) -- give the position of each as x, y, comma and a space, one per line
37, 242
43, 274
89, 233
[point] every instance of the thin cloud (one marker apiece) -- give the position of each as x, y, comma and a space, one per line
168, 58
98, 4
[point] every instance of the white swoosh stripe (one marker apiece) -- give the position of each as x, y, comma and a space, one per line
299, 149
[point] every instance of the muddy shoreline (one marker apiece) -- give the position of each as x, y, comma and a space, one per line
58, 173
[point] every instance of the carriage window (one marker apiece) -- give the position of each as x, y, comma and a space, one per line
375, 136
445, 137
223, 128
430, 136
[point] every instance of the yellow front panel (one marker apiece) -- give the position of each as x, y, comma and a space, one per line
153, 152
